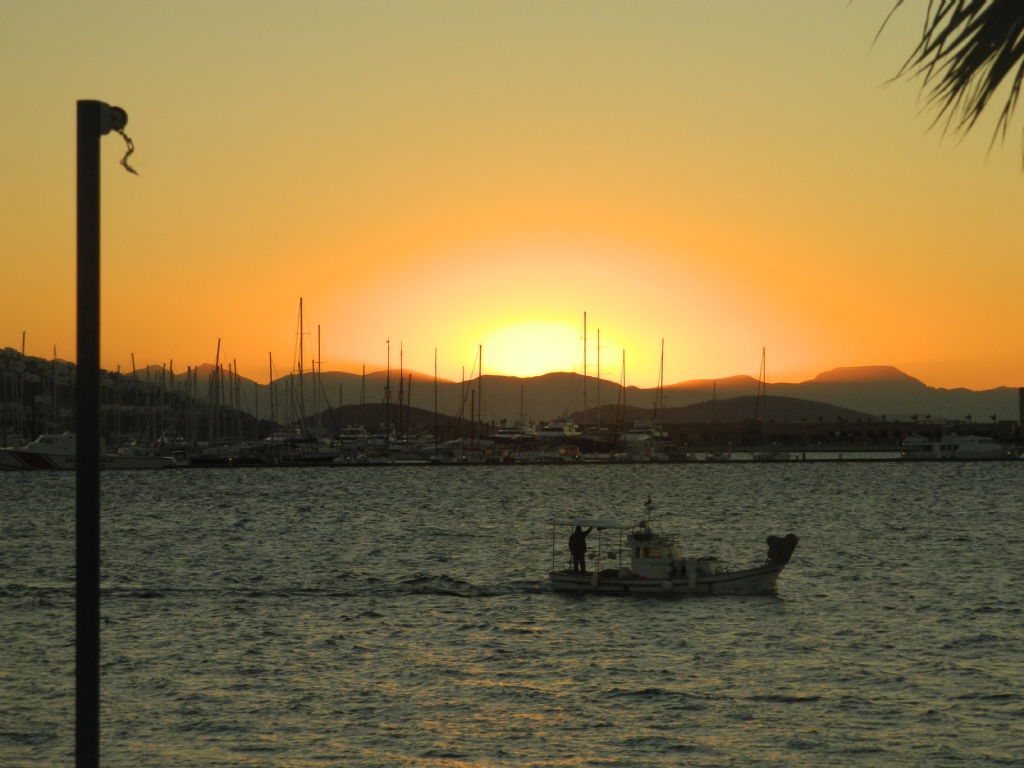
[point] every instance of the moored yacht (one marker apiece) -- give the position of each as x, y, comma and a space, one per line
516, 434
559, 430
49, 452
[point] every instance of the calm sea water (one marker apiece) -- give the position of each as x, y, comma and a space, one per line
401, 616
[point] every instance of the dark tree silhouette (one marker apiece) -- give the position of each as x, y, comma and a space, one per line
968, 49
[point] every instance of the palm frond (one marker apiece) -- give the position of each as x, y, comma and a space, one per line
968, 49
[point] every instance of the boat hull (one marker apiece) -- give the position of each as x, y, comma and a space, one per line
12, 459
751, 581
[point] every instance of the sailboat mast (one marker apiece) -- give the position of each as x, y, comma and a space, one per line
270, 356
462, 402
624, 383
764, 390
662, 378
584, 373
435, 402
387, 402
598, 379
658, 403
758, 406
401, 387
318, 380
480, 389
714, 415
302, 388
215, 415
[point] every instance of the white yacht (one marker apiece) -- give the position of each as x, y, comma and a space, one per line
515, 434
642, 432
559, 430
353, 438
49, 452
953, 447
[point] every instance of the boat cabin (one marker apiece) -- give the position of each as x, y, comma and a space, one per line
654, 559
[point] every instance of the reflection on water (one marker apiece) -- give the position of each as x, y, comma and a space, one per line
402, 616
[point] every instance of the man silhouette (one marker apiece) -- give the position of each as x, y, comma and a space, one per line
578, 549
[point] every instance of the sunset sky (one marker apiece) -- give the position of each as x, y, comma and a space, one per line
726, 175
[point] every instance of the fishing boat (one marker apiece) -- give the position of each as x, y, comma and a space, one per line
50, 452
639, 558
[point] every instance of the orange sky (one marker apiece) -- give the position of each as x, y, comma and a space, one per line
723, 175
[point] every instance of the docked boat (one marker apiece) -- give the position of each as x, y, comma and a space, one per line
516, 434
50, 452
953, 447
559, 430
640, 559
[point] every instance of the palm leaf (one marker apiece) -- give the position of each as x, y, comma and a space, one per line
968, 49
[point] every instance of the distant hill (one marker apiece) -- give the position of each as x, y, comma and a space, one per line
873, 373
877, 389
874, 390
734, 409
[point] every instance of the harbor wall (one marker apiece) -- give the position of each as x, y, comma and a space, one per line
851, 434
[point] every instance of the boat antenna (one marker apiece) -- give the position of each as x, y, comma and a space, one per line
648, 508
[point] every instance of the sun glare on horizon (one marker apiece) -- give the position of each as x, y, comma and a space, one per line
531, 348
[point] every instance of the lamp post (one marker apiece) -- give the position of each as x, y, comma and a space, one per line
95, 119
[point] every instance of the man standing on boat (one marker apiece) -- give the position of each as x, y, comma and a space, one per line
578, 549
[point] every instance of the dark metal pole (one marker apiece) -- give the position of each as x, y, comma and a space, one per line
87, 481
94, 120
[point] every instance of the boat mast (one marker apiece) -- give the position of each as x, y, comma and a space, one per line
480, 390
714, 415
624, 384
462, 402
318, 370
362, 388
762, 393
764, 390
271, 386
117, 411
237, 394
172, 401
6, 373
401, 385
302, 383
135, 393
387, 402
598, 379
584, 374
435, 402
658, 394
